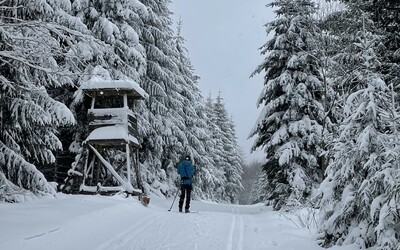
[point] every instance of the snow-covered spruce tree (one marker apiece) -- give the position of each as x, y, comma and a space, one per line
384, 14
360, 201
215, 146
236, 160
162, 126
259, 189
111, 22
290, 124
232, 162
29, 117
167, 112
198, 138
251, 172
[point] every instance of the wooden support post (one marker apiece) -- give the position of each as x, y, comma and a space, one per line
85, 167
138, 178
91, 168
98, 166
93, 102
128, 163
125, 101
109, 177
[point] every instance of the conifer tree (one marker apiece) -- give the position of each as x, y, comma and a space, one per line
259, 189
198, 139
111, 22
359, 192
290, 125
250, 175
232, 162
32, 64
163, 126
217, 178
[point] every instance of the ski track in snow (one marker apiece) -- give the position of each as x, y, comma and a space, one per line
42, 234
232, 230
123, 237
107, 223
240, 245
158, 231
141, 235
235, 229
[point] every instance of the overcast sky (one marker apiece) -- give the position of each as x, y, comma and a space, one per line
223, 37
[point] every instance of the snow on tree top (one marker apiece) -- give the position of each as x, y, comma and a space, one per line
127, 86
116, 132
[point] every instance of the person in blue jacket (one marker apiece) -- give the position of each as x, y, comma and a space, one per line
186, 171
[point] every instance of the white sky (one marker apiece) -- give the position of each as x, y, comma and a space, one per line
223, 37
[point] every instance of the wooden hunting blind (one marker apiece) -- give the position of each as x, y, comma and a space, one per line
109, 162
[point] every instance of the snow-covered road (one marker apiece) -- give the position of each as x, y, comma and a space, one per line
115, 223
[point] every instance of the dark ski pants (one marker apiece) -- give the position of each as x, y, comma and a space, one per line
186, 189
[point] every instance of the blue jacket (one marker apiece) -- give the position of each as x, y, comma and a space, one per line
186, 171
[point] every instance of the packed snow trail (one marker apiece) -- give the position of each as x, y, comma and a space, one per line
115, 223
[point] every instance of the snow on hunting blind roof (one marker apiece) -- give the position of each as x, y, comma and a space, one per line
129, 86
116, 132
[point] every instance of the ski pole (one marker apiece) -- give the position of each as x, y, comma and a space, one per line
173, 200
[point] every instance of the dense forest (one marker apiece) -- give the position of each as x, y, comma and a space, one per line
50, 48
329, 117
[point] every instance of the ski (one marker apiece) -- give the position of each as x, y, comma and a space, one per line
191, 212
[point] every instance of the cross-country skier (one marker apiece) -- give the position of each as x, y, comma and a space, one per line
186, 171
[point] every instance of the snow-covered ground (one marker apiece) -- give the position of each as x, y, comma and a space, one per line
106, 223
